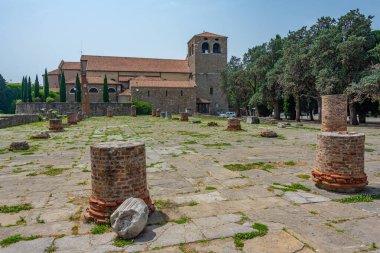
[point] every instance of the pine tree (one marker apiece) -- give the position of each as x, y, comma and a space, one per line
37, 88
78, 90
46, 85
62, 88
106, 98
29, 96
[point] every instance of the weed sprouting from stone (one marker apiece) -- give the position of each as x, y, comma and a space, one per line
120, 242
16, 238
261, 230
359, 198
15, 208
210, 188
100, 229
303, 176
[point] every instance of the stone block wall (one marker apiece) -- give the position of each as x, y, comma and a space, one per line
18, 119
97, 109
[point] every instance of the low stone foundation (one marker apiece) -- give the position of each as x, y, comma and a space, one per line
118, 172
71, 118
18, 119
109, 111
133, 111
340, 162
55, 125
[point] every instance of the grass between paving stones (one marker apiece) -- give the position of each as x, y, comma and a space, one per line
53, 171
189, 142
359, 198
181, 220
162, 204
288, 188
120, 242
192, 203
15, 208
210, 188
193, 134
100, 229
303, 176
16, 238
218, 144
261, 230
339, 230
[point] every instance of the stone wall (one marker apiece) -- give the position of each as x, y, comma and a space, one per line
97, 109
167, 99
15, 120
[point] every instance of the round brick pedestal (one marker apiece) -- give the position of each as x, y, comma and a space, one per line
118, 172
133, 110
79, 116
184, 116
55, 125
158, 112
109, 112
334, 113
71, 118
233, 124
153, 112
340, 162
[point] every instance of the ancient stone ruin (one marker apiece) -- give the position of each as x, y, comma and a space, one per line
19, 145
253, 120
163, 115
130, 218
168, 115
71, 118
118, 172
133, 111
268, 134
184, 116
158, 112
79, 116
153, 112
340, 154
212, 123
109, 111
42, 135
55, 125
233, 124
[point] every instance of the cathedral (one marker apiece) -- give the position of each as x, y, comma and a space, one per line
171, 85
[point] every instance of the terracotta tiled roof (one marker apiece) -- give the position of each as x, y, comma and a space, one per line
128, 78
54, 72
112, 63
125, 93
207, 34
94, 80
135, 83
70, 65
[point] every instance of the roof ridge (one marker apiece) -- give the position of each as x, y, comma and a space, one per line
128, 57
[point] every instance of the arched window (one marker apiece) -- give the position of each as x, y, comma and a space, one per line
93, 90
111, 90
205, 48
216, 48
72, 90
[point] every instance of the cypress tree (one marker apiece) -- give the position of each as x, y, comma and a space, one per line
23, 89
78, 90
37, 88
29, 98
62, 88
46, 85
106, 98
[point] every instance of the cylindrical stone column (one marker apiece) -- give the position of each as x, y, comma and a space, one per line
158, 111
133, 110
340, 162
163, 114
334, 113
71, 118
55, 125
168, 115
109, 111
118, 171
184, 116
233, 124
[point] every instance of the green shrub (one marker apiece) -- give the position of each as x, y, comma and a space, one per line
143, 107
50, 100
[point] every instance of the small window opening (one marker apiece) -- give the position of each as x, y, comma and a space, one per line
205, 48
166, 93
181, 92
211, 91
148, 93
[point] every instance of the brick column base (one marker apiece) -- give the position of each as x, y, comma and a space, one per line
55, 125
233, 124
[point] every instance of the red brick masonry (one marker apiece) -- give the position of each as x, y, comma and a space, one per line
184, 116
334, 113
340, 161
233, 124
71, 118
55, 125
118, 171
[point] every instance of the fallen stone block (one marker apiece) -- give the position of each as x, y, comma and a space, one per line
19, 145
130, 218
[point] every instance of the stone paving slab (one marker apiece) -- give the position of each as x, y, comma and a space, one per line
34, 246
304, 197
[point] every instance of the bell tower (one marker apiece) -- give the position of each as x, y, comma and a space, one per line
207, 56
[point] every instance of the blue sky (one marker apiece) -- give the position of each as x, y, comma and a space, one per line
35, 34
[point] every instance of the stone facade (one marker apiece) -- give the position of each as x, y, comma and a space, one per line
117, 172
340, 159
15, 120
206, 67
174, 100
334, 117
95, 97
96, 109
